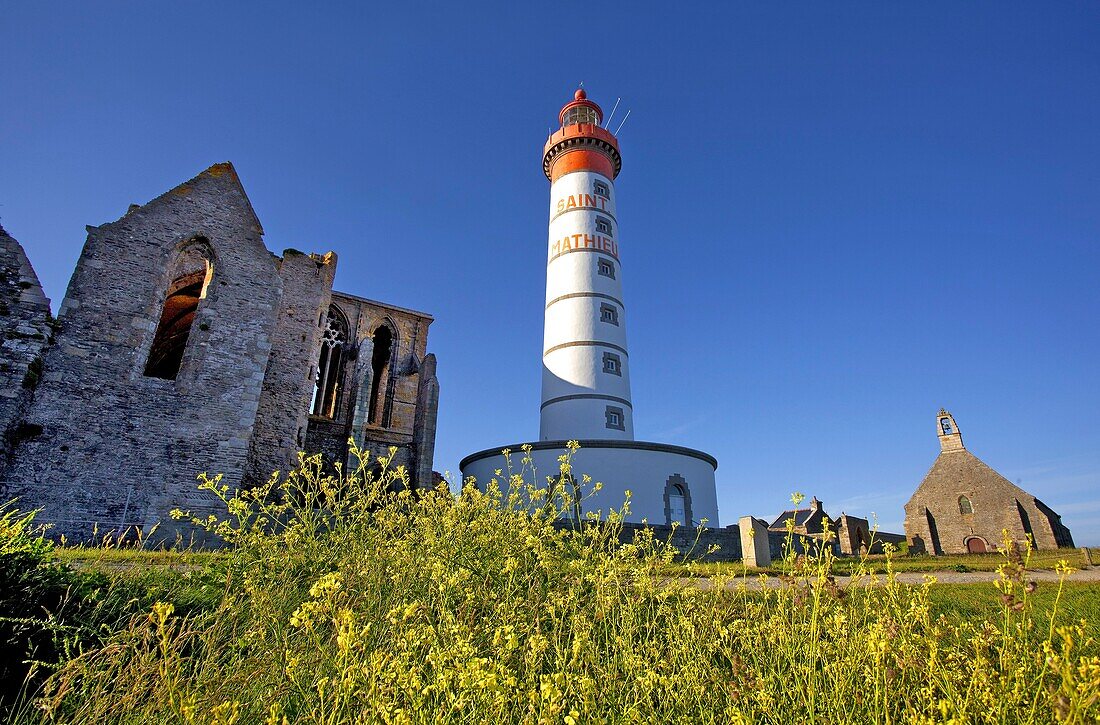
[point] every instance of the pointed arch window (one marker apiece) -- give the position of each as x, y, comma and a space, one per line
380, 375
330, 364
965, 507
190, 276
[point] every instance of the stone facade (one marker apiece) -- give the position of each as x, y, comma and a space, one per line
963, 505
386, 393
184, 346
24, 331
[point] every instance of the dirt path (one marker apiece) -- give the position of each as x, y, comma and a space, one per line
1091, 574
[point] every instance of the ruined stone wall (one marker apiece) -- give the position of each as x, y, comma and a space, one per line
24, 332
283, 412
117, 448
408, 392
424, 425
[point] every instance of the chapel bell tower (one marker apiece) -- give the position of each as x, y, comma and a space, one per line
950, 437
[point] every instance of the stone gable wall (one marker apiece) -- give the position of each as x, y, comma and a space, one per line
100, 446
997, 505
119, 449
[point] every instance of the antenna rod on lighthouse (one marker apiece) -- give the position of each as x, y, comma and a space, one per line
608, 121
620, 128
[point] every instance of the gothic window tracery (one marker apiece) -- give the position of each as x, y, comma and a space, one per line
330, 364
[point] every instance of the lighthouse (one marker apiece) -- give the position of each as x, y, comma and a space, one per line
585, 371
585, 364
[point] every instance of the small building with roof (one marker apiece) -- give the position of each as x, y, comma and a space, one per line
853, 535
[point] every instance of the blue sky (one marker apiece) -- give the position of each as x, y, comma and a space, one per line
836, 218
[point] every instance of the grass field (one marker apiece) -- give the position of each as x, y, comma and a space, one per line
340, 601
1039, 560
982, 602
115, 556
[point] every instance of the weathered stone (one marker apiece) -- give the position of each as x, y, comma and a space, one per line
24, 330
754, 541
963, 505
401, 417
185, 346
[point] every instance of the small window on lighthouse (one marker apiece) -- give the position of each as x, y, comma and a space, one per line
603, 225
615, 418
612, 364
601, 189
609, 314
606, 268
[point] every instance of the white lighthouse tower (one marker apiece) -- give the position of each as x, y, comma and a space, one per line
585, 372
585, 365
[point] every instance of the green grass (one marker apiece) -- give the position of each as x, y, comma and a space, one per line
90, 557
340, 600
114, 558
1080, 602
1047, 560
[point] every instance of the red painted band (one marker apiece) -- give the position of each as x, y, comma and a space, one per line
581, 159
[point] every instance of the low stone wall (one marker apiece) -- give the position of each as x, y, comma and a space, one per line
692, 543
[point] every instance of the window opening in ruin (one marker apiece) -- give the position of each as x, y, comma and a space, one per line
606, 268
380, 363
181, 303
965, 506
326, 391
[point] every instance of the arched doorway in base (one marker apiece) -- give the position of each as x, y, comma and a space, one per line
976, 545
678, 501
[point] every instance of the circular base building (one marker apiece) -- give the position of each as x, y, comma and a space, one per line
585, 360
667, 484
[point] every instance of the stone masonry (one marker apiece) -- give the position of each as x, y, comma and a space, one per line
284, 402
24, 331
963, 505
183, 346
400, 383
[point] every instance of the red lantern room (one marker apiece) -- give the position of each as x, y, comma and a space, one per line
581, 143
580, 110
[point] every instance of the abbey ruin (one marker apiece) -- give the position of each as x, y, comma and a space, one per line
184, 345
